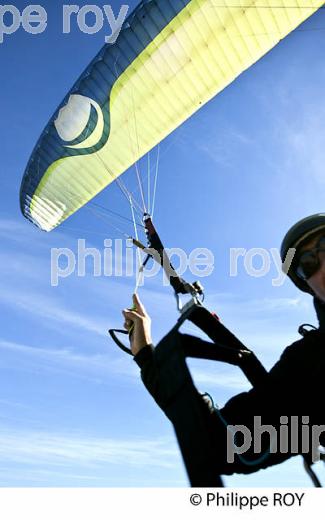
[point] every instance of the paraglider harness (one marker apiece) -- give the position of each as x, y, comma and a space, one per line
176, 393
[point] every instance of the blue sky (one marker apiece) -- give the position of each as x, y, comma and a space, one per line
238, 174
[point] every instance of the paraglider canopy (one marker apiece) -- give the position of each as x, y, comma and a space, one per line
171, 57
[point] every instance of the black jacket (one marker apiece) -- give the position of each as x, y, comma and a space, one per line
293, 389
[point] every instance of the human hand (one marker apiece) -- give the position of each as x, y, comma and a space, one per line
140, 321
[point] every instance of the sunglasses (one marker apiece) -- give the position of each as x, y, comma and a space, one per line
310, 261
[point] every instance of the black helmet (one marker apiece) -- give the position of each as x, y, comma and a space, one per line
296, 236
